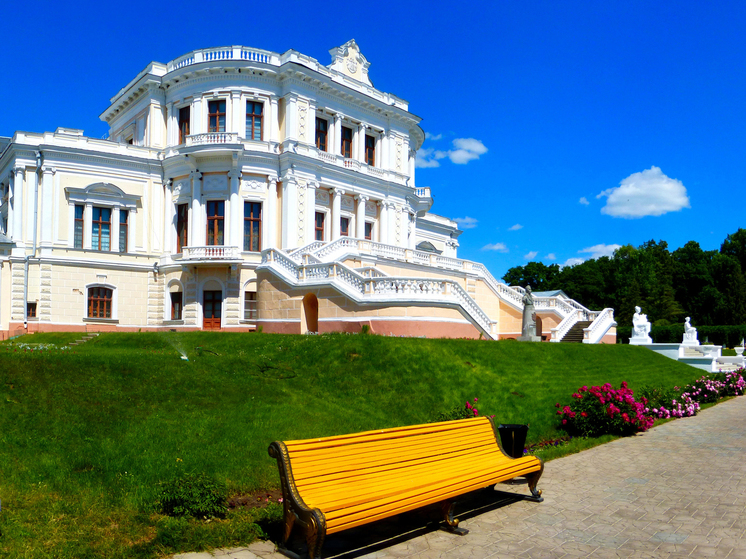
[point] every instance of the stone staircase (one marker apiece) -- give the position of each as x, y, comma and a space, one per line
575, 334
84, 339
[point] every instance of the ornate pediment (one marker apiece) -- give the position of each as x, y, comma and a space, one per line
348, 60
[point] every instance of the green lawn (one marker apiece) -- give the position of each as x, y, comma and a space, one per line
86, 434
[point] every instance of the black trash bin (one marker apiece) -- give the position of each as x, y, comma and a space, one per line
513, 438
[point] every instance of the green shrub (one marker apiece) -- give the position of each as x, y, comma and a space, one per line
197, 495
469, 410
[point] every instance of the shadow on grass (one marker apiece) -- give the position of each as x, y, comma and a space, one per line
384, 534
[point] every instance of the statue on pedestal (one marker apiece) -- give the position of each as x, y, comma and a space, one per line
640, 328
690, 334
528, 329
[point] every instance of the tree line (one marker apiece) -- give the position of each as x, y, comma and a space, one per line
707, 285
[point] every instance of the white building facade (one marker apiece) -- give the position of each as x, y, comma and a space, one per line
242, 188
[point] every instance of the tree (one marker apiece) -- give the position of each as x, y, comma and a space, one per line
735, 245
536, 274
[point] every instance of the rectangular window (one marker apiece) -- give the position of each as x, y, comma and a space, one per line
101, 229
346, 142
252, 226
215, 222
368, 230
185, 114
254, 120
176, 305
249, 306
79, 221
99, 302
31, 310
344, 226
182, 227
216, 116
370, 150
322, 129
319, 226
123, 216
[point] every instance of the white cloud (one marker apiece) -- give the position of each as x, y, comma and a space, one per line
573, 261
597, 251
531, 255
583, 200
433, 137
551, 256
649, 192
466, 222
515, 227
498, 247
466, 149
428, 157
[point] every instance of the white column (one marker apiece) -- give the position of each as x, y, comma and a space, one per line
170, 124
87, 225
236, 113
386, 150
11, 203
310, 231
289, 212
336, 212
131, 229
168, 218
379, 150
357, 140
18, 204
47, 198
31, 201
383, 222
336, 140
360, 216
236, 211
412, 229
269, 216
196, 228
114, 241
273, 120
196, 117
412, 155
291, 117
393, 217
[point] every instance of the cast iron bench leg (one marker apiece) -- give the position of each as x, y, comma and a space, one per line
451, 522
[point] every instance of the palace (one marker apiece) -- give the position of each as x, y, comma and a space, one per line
240, 188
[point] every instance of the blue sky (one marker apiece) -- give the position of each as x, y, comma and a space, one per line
556, 130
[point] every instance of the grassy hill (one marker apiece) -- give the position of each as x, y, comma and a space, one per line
86, 434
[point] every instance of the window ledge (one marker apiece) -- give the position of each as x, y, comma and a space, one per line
252, 322
173, 322
102, 320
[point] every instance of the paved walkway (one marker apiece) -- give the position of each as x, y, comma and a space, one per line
678, 490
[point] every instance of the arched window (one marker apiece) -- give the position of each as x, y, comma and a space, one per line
175, 301
250, 309
100, 302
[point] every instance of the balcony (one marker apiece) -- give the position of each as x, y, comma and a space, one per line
212, 138
213, 254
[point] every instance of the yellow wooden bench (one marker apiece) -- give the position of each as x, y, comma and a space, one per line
334, 483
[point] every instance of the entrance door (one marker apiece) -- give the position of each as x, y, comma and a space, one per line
212, 304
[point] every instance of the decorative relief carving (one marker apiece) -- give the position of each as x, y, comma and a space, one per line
215, 182
370, 208
180, 187
348, 203
399, 146
302, 112
322, 196
301, 213
255, 185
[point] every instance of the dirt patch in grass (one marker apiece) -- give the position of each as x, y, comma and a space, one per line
255, 500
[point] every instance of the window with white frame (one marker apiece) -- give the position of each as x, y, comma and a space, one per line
101, 218
250, 308
101, 302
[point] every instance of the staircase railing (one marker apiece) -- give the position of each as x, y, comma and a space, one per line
379, 289
602, 321
561, 330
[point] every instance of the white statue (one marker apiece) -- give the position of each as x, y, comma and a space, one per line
640, 329
690, 333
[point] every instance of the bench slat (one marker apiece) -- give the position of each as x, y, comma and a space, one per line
401, 502
345, 495
364, 436
330, 465
371, 468
390, 445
